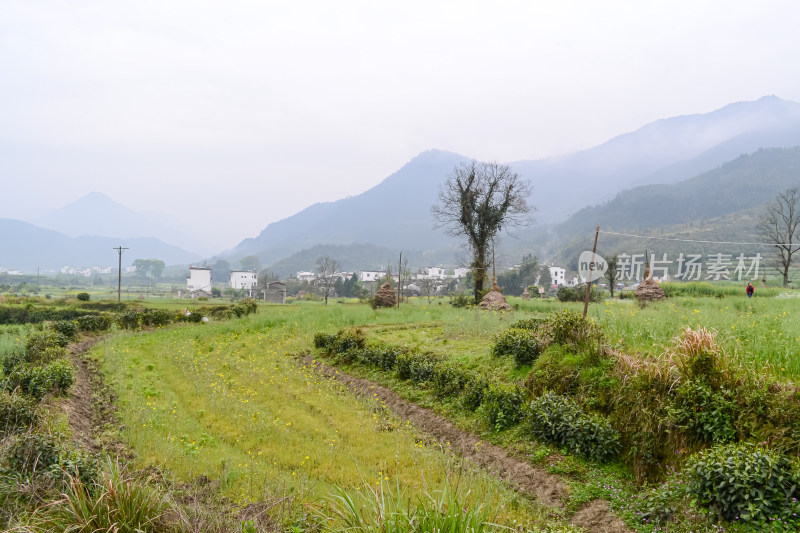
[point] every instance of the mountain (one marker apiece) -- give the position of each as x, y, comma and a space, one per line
27, 247
396, 212
747, 181
98, 215
664, 152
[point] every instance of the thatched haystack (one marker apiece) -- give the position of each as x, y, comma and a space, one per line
526, 295
494, 299
385, 296
649, 291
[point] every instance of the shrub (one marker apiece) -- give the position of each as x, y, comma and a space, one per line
83, 296
462, 299
706, 414
474, 390
94, 322
573, 330
578, 294
448, 379
246, 307
324, 341
417, 367
532, 324
67, 328
384, 358
501, 405
745, 482
521, 344
129, 319
558, 419
17, 412
40, 380
36, 454
156, 317
349, 339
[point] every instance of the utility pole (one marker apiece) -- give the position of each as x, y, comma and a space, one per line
589, 277
119, 274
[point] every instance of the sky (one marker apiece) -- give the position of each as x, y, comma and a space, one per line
229, 115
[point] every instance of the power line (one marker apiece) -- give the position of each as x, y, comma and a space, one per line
699, 241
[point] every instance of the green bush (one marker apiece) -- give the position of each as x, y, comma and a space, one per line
67, 328
129, 319
17, 412
82, 296
38, 381
462, 299
415, 366
474, 391
567, 328
36, 454
578, 294
706, 414
157, 318
745, 482
448, 379
246, 307
384, 357
532, 324
324, 341
348, 339
521, 344
558, 419
94, 322
502, 406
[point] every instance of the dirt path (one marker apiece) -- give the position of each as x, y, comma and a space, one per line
89, 406
595, 516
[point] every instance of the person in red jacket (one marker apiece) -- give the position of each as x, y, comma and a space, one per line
750, 290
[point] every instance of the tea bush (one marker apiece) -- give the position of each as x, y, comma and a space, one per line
157, 318
67, 328
449, 379
17, 412
83, 296
324, 340
558, 419
502, 406
246, 307
416, 366
129, 319
38, 381
706, 414
100, 322
37, 454
567, 328
474, 390
745, 482
532, 324
521, 344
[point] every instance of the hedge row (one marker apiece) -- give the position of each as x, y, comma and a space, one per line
501, 406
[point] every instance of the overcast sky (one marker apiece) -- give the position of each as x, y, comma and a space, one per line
242, 113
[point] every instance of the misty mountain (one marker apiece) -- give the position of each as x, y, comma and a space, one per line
665, 152
27, 247
396, 212
747, 181
95, 214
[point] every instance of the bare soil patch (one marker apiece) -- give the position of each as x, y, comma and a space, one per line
595, 516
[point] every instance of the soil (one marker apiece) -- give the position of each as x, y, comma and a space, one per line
90, 405
595, 516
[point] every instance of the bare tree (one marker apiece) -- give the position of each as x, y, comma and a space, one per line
326, 276
478, 201
778, 224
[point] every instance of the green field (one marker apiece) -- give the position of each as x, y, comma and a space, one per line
236, 402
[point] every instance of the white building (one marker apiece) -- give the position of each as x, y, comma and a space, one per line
459, 273
432, 273
306, 276
370, 275
199, 280
557, 275
244, 279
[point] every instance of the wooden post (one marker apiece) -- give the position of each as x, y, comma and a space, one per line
399, 278
589, 281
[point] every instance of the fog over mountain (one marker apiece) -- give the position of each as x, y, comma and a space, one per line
396, 212
95, 214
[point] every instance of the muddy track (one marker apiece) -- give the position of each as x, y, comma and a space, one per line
595, 516
89, 406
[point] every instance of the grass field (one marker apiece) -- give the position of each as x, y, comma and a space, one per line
229, 401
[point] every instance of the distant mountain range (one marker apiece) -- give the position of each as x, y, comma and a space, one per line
396, 212
95, 214
27, 247
667, 174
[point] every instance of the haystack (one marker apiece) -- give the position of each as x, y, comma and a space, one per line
648, 291
526, 295
385, 296
494, 299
